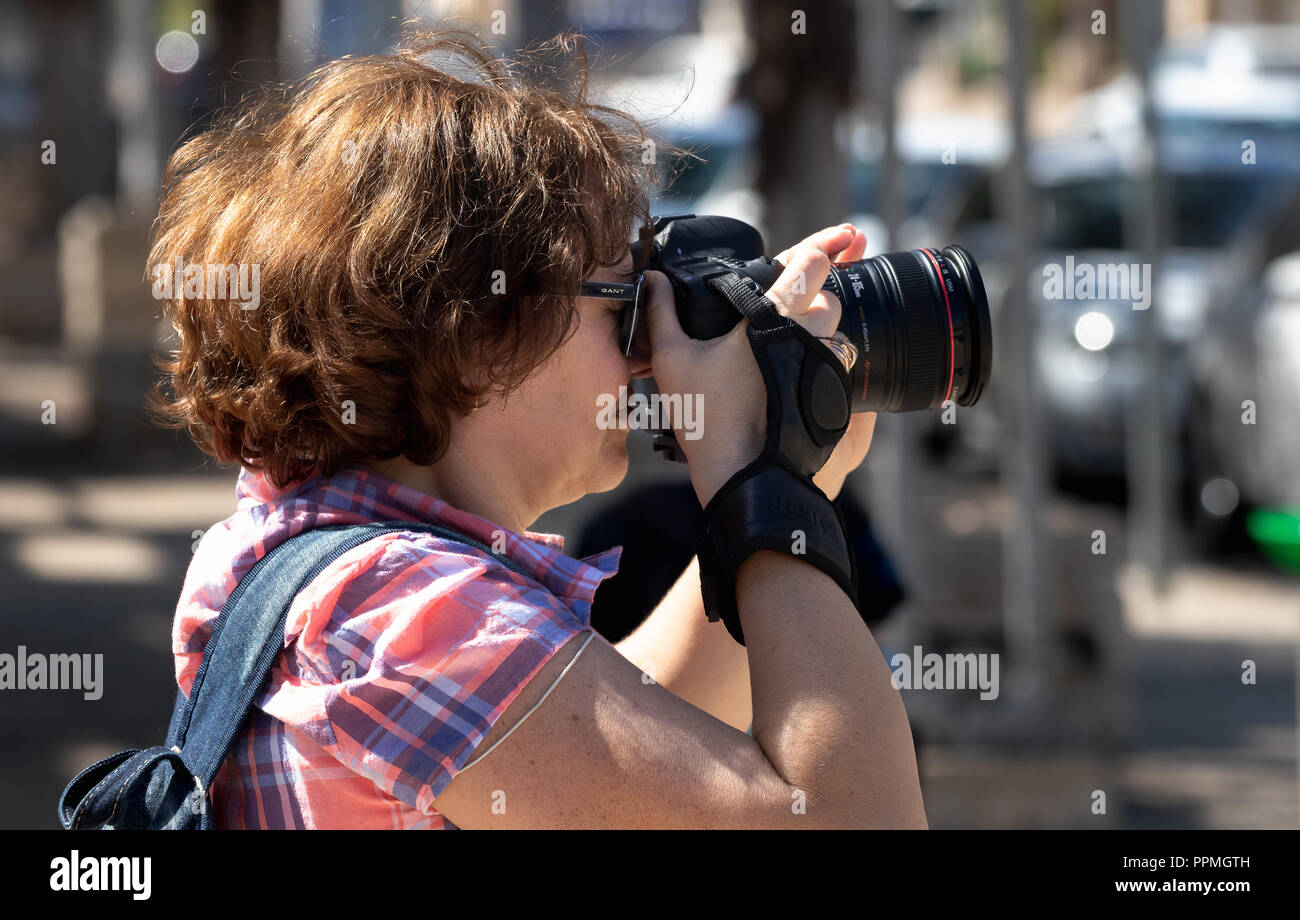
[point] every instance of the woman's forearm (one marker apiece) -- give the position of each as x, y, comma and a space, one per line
694, 659
826, 712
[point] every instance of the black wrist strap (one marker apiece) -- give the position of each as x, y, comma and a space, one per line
773, 504
769, 508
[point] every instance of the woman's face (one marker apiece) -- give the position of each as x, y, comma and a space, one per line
554, 413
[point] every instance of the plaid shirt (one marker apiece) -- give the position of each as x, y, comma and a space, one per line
399, 657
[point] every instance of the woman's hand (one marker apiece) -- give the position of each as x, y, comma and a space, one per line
852, 448
724, 374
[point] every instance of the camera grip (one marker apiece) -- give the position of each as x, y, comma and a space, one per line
773, 503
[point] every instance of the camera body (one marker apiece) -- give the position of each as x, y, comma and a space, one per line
918, 319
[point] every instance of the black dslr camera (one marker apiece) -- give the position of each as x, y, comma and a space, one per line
919, 320
914, 333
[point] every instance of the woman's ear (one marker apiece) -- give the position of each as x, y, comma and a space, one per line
483, 389
477, 396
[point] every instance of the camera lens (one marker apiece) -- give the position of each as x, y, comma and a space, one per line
920, 321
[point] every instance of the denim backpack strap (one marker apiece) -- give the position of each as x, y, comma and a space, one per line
233, 673
166, 786
245, 641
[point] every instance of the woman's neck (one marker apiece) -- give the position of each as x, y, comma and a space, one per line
478, 481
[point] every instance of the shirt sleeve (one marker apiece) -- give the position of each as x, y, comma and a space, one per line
430, 648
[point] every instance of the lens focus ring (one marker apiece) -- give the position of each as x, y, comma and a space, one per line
921, 332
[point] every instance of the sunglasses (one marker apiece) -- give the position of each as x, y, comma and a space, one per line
634, 295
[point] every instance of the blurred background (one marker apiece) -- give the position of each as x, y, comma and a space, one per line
1118, 519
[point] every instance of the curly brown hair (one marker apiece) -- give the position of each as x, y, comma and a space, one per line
380, 199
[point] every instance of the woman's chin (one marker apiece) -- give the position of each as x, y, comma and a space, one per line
613, 469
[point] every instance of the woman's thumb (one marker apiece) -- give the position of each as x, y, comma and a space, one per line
661, 309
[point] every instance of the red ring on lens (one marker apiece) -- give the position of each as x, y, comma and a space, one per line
952, 344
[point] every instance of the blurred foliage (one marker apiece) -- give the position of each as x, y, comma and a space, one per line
981, 50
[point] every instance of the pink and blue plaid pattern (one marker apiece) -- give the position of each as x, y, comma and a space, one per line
399, 657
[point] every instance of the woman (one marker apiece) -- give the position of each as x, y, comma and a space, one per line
418, 352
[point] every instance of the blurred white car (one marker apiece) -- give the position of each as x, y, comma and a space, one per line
1228, 113
1246, 378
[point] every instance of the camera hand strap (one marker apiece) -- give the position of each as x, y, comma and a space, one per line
773, 504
